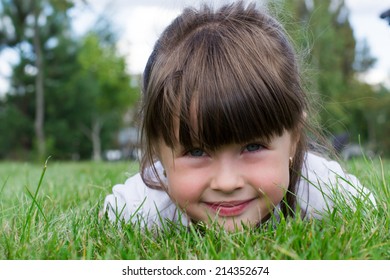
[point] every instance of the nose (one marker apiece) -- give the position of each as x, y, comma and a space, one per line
227, 176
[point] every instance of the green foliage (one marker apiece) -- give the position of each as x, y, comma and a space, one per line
328, 37
379, 113
62, 221
85, 82
333, 61
100, 63
12, 139
103, 75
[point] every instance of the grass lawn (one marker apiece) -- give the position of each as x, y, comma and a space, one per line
58, 219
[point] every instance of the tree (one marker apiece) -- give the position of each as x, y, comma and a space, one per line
86, 84
322, 27
39, 79
33, 24
333, 63
105, 82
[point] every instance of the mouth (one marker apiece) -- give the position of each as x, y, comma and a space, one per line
229, 208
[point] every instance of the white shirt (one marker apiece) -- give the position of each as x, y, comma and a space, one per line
321, 182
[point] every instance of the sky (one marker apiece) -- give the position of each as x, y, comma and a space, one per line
139, 23
364, 18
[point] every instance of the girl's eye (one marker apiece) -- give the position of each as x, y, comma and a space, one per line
253, 147
196, 153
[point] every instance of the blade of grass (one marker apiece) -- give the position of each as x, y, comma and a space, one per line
3, 187
34, 202
383, 176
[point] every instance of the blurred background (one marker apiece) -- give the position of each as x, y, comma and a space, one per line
71, 71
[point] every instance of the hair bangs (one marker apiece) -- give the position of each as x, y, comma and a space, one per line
224, 115
211, 89
229, 98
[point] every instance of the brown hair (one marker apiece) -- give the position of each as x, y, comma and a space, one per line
234, 72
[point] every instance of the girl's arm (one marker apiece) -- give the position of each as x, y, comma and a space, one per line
134, 202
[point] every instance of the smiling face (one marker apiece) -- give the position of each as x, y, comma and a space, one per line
235, 184
222, 98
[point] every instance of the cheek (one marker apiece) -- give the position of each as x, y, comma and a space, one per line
273, 192
273, 182
183, 189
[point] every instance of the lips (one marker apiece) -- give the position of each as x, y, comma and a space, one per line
229, 208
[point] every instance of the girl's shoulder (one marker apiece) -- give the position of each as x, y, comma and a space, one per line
318, 168
320, 165
324, 181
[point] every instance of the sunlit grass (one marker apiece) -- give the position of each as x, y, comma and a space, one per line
60, 221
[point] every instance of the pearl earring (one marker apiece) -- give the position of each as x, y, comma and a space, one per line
290, 162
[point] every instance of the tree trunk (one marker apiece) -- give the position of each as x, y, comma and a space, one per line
96, 142
39, 90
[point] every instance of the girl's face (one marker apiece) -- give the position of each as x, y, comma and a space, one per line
238, 183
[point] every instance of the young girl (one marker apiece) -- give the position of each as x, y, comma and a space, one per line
223, 127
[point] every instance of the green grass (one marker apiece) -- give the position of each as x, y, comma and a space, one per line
57, 218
